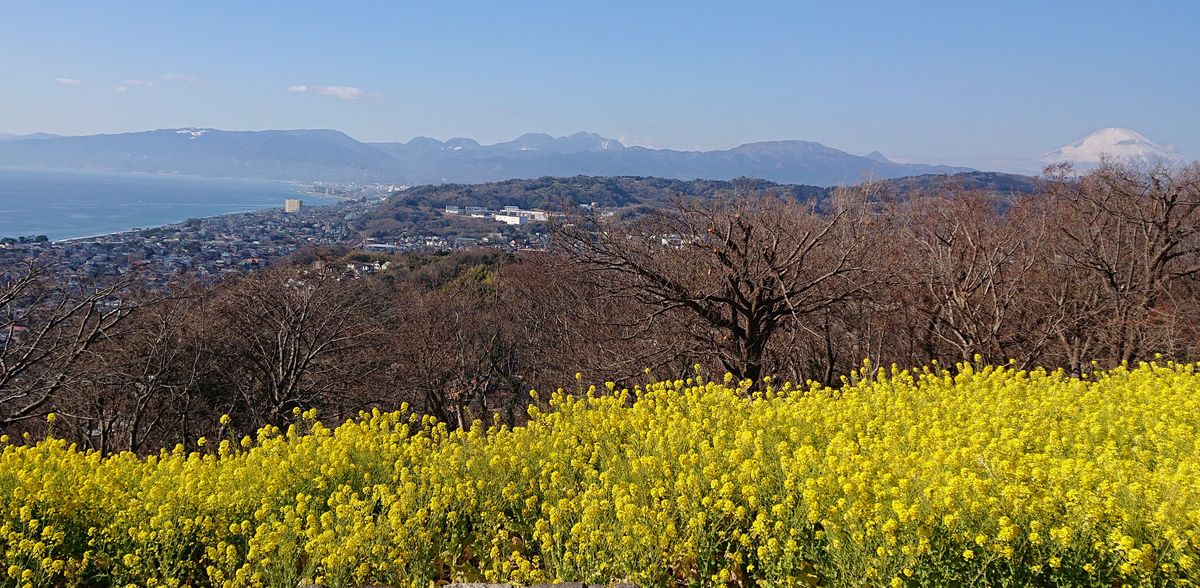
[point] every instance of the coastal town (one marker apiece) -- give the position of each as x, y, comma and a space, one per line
208, 249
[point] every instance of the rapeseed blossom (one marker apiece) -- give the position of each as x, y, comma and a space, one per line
977, 475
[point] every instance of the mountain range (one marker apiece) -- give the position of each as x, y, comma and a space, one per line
327, 155
13, 137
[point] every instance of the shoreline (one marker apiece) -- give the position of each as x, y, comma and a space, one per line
139, 229
287, 189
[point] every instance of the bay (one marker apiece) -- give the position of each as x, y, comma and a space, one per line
69, 204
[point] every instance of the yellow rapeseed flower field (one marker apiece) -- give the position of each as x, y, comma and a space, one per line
970, 476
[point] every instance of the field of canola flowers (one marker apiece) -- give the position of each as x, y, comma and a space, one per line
970, 476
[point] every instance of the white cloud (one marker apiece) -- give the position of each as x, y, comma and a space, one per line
131, 83
343, 92
68, 81
120, 89
178, 77
340, 92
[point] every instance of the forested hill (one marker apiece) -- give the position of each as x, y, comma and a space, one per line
633, 193
610, 191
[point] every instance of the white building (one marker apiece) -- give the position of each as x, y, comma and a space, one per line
511, 219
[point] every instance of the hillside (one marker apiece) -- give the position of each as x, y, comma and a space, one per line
420, 208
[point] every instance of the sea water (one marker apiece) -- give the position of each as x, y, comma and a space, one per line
67, 204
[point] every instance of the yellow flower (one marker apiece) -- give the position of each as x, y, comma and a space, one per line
872, 480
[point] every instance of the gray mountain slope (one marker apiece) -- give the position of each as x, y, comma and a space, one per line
327, 155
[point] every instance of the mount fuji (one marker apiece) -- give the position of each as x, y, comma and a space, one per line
1115, 143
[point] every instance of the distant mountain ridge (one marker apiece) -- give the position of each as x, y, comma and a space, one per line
429, 161
308, 155
273, 155
14, 137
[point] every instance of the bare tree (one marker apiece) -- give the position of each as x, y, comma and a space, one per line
562, 320
1133, 231
144, 388
46, 329
739, 267
291, 339
969, 265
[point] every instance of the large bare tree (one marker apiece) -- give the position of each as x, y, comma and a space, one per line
739, 267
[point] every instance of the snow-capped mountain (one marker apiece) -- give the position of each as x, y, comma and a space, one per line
1115, 143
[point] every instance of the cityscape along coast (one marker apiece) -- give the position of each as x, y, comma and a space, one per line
210, 248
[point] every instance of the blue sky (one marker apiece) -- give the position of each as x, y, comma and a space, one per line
931, 81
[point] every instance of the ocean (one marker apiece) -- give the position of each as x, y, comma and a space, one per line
68, 204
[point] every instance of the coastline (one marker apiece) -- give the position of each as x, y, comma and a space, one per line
38, 208
138, 229
159, 226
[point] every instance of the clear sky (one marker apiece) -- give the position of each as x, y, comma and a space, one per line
931, 81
